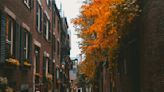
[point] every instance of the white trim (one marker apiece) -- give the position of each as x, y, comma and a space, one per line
53, 33
26, 26
39, 3
37, 43
48, 17
46, 54
12, 38
54, 61
47, 30
27, 38
27, 3
10, 13
47, 2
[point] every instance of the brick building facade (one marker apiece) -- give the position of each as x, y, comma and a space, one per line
31, 45
15, 43
152, 46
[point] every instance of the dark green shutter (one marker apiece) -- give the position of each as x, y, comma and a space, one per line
37, 16
44, 68
49, 31
14, 39
22, 46
30, 47
2, 38
44, 25
54, 44
44, 65
17, 41
40, 19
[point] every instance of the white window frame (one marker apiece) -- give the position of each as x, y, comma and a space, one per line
27, 3
48, 2
47, 29
10, 42
57, 73
27, 44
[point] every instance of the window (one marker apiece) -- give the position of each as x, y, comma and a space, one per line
46, 26
57, 73
38, 17
9, 36
37, 59
27, 43
48, 3
46, 65
37, 64
27, 3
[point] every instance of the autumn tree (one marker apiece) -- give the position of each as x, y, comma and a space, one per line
100, 25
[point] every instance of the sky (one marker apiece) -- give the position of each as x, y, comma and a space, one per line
71, 10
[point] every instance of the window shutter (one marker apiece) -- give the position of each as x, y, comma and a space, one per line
44, 65
30, 47
17, 41
22, 42
40, 19
14, 39
44, 25
49, 34
44, 68
2, 38
37, 16
54, 21
49, 65
54, 43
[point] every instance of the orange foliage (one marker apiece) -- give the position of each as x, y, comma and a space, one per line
99, 25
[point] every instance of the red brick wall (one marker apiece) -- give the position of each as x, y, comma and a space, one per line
16, 76
152, 46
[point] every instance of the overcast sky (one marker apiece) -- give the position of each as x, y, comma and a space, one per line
71, 10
